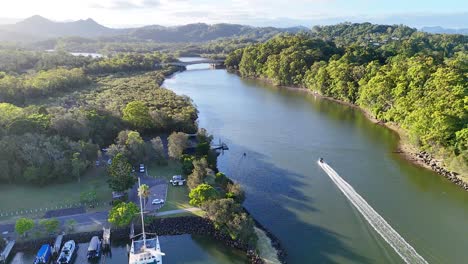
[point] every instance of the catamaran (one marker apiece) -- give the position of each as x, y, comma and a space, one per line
144, 250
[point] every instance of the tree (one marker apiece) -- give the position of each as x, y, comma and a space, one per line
198, 174
137, 114
70, 224
187, 164
144, 193
23, 225
177, 142
120, 171
234, 191
229, 217
49, 225
136, 149
78, 165
158, 148
201, 194
122, 214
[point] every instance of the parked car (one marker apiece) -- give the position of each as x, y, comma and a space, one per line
142, 168
157, 201
177, 180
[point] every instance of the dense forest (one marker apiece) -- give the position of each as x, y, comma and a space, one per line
58, 110
415, 80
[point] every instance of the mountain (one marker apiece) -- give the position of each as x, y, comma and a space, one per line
201, 32
38, 28
441, 30
41, 28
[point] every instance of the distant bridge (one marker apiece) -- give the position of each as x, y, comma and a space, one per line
213, 63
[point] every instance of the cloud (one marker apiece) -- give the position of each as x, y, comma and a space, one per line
127, 4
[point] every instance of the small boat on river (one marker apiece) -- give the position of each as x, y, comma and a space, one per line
68, 252
44, 255
94, 248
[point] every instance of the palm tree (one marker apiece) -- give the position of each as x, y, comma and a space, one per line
144, 193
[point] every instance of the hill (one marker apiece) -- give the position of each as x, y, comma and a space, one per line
39, 28
441, 30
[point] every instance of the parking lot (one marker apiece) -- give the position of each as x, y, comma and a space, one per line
157, 191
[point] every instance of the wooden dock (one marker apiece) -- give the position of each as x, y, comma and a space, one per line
6, 252
221, 146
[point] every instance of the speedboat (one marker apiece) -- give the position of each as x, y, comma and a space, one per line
43, 255
321, 160
94, 248
68, 252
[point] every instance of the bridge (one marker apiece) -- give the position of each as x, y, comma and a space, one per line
213, 63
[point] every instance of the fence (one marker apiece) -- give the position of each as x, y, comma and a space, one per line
37, 211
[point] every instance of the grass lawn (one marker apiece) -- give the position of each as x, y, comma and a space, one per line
177, 196
196, 213
27, 197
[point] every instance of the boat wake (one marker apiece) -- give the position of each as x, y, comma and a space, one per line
401, 247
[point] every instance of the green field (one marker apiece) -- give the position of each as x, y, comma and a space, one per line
27, 197
177, 196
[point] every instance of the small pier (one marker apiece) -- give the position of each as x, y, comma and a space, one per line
6, 252
221, 146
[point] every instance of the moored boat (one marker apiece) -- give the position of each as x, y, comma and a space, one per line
94, 248
67, 253
43, 255
145, 250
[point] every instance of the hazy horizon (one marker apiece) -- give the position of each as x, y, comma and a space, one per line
134, 13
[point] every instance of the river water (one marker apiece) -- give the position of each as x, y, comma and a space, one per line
179, 249
283, 133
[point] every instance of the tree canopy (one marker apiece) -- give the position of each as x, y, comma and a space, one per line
120, 172
122, 214
201, 194
23, 225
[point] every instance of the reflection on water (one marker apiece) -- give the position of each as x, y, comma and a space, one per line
283, 133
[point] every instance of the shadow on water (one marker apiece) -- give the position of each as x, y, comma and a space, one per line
272, 204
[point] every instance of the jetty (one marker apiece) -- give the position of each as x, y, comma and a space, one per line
6, 252
221, 146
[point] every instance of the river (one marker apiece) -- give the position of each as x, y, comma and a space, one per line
283, 133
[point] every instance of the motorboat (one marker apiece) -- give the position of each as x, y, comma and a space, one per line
94, 248
67, 253
44, 255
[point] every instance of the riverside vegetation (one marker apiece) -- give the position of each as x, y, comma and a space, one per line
58, 111
415, 80
56, 116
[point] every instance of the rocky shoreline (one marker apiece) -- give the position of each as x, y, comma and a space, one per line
192, 225
434, 164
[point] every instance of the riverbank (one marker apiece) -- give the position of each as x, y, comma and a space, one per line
407, 150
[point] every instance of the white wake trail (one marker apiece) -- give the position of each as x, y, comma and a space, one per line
401, 247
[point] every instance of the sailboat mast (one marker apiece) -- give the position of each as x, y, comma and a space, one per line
141, 214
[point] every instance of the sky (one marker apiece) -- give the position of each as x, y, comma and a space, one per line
254, 12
